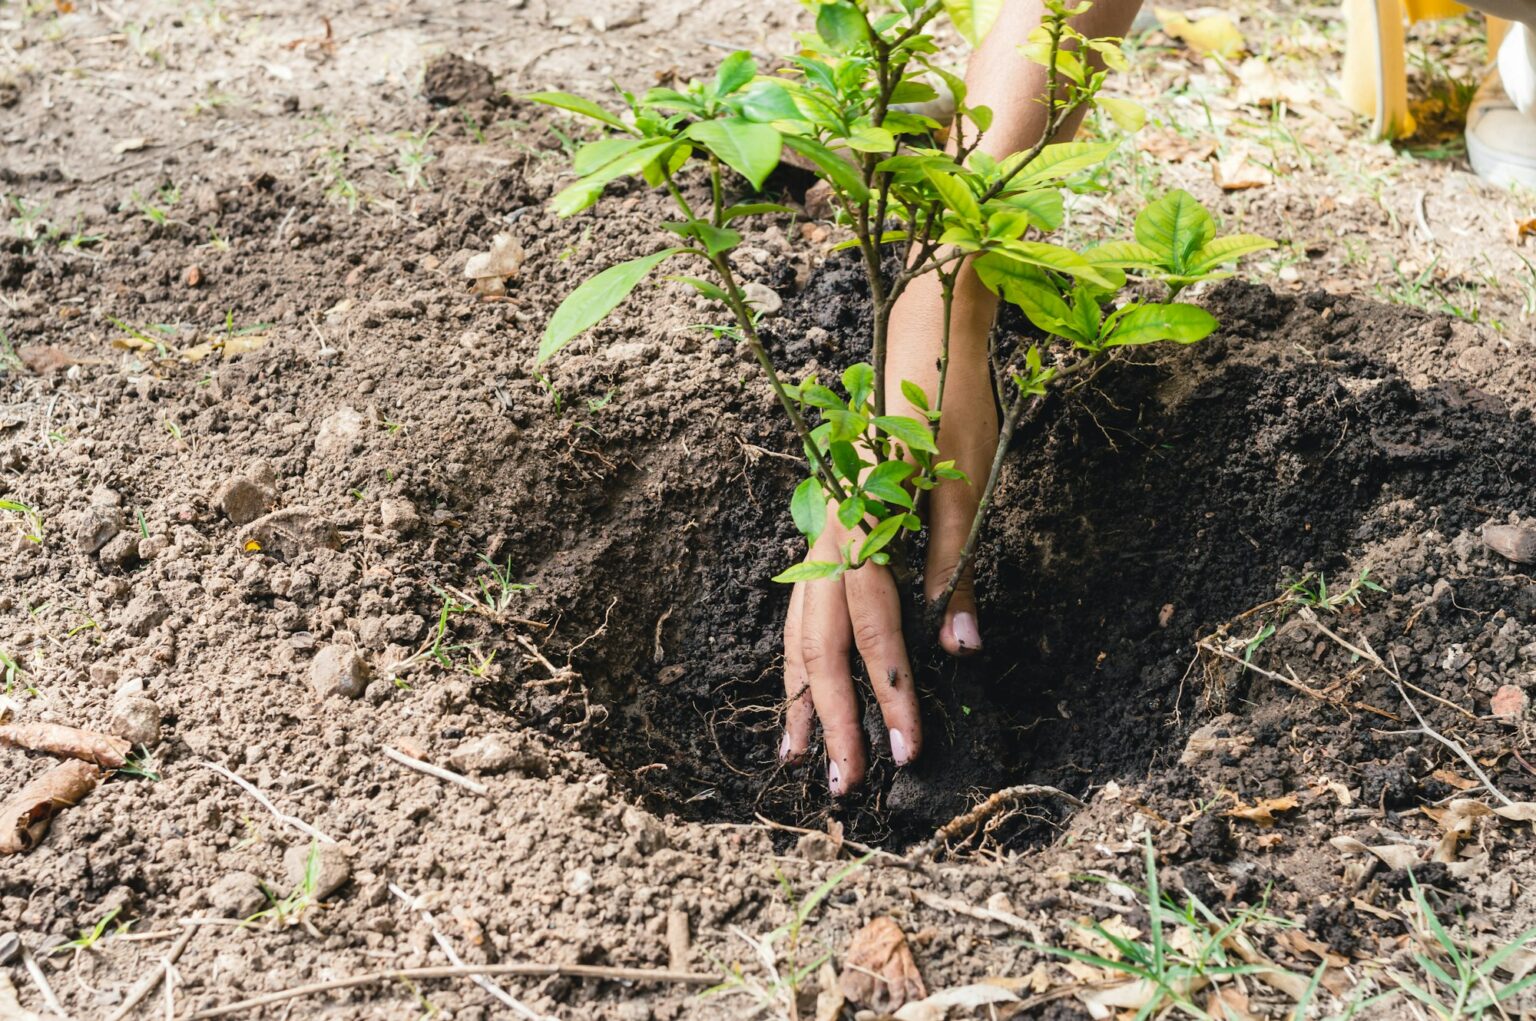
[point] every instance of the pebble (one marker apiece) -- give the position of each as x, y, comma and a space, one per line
338, 670
237, 895
136, 719
398, 515
340, 432
95, 528
333, 867
579, 882
643, 828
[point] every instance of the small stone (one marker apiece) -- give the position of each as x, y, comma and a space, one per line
136, 719
816, 846
290, 532
333, 867
1512, 542
237, 895
378, 692
341, 432
398, 515
192, 276
102, 496
338, 670
1509, 702
579, 882
645, 830
95, 527
243, 500
143, 613
122, 551
497, 753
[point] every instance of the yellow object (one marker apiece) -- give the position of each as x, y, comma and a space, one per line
1375, 81
1215, 34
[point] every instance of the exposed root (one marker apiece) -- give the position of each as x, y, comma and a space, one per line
991, 806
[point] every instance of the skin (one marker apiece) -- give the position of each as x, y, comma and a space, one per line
829, 619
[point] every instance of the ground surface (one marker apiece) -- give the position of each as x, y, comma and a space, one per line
306, 192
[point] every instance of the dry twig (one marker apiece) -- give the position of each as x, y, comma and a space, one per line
282, 817
447, 775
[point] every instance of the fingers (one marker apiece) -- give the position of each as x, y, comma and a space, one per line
874, 611
953, 509
826, 638
798, 712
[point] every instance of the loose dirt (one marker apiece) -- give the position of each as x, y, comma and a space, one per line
302, 499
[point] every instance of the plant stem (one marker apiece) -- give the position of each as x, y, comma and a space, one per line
947, 289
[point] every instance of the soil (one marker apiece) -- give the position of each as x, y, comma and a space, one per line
374, 527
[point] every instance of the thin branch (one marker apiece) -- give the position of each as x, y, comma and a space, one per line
446, 775
144, 988
282, 817
991, 806
524, 970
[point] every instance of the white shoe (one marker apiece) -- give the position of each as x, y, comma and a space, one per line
1501, 123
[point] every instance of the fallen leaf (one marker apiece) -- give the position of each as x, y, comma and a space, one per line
1263, 813
56, 739
969, 998
1300, 943
1394, 856
1520, 811
24, 818
1509, 702
1088, 938
1237, 171
45, 359
878, 969
829, 998
1229, 1004
1450, 779
1214, 34
128, 145
1525, 229
1259, 85
1173, 147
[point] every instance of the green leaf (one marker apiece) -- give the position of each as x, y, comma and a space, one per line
576, 104
956, 195
909, 431
846, 426
1044, 207
588, 304
868, 138
914, 395
598, 154
841, 25
809, 509
1127, 114
810, 570
658, 170
819, 396
845, 458
754, 209
712, 291
767, 102
1055, 162
859, 382
1123, 255
851, 511
1175, 226
1055, 257
576, 197
884, 483
1227, 249
880, 536
734, 72
833, 167
1147, 324
752, 150
973, 18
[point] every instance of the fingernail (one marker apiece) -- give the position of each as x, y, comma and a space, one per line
967, 633
834, 779
784, 748
899, 748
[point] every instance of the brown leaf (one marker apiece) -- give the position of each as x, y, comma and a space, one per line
878, 969
1237, 171
24, 818
1264, 811
1520, 811
1176, 148
1509, 702
1525, 229
56, 739
45, 359
1450, 779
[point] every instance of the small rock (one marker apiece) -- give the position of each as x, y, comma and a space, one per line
816, 846
143, 613
378, 692
579, 882
1512, 542
340, 432
237, 895
243, 500
95, 528
645, 830
398, 515
497, 753
333, 867
192, 276
291, 531
102, 496
136, 720
338, 670
450, 80
1165, 615
122, 551
1509, 702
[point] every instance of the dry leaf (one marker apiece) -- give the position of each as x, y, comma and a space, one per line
1172, 147
878, 969
1520, 811
1259, 85
24, 818
968, 998
1525, 229
1237, 171
1263, 813
1215, 34
45, 359
1206, 742
1229, 1004
1086, 937
1300, 943
1450, 779
128, 145
1394, 856
102, 749
1509, 702
829, 998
